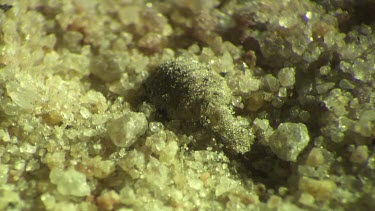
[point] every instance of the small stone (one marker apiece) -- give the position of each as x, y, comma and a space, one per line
362, 69
320, 189
155, 126
169, 152
64, 205
247, 84
250, 58
324, 87
72, 40
237, 102
4, 173
24, 96
359, 155
27, 148
255, 101
289, 206
19, 164
195, 184
10, 199
97, 167
346, 84
283, 191
69, 182
151, 42
156, 142
126, 130
156, 174
130, 15
48, 200
274, 202
337, 101
325, 70
225, 185
304, 115
366, 124
370, 162
288, 140
133, 163
283, 92
271, 83
287, 76
55, 159
263, 129
85, 113
107, 200
315, 157
32, 165
127, 196
306, 199
4, 136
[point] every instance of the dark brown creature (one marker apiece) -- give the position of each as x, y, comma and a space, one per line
5, 7
187, 90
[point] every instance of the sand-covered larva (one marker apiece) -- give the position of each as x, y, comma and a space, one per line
188, 90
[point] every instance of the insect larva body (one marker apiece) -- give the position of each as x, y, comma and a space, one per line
188, 90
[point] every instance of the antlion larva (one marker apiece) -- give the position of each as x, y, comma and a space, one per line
187, 90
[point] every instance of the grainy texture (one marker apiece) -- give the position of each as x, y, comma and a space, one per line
191, 91
77, 132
